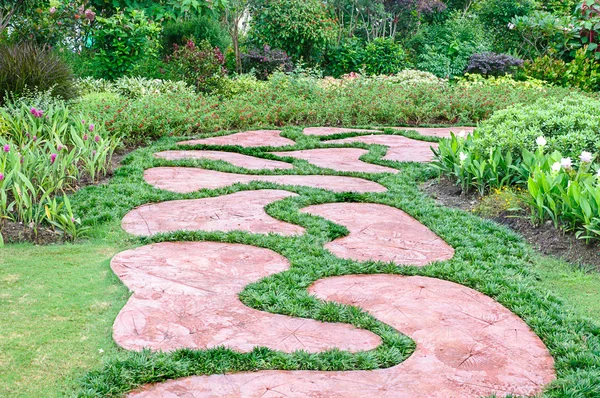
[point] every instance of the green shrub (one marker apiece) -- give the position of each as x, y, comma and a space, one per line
198, 29
382, 56
571, 125
132, 87
27, 67
582, 72
123, 40
496, 15
201, 66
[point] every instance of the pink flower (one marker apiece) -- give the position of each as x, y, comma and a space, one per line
37, 112
83, 122
97, 138
60, 148
34, 138
53, 158
52, 10
1, 176
85, 137
6, 148
91, 128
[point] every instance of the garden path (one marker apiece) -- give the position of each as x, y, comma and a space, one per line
185, 294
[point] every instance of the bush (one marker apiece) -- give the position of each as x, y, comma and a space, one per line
27, 67
200, 66
582, 72
496, 15
197, 29
492, 64
570, 125
382, 56
265, 61
123, 40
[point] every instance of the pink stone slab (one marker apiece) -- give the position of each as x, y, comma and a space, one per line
381, 233
241, 211
246, 139
468, 346
186, 180
236, 159
401, 149
339, 159
441, 132
185, 295
322, 131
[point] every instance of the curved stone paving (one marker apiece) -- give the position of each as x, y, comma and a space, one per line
468, 345
381, 233
236, 159
186, 296
248, 139
441, 132
339, 159
323, 131
186, 180
401, 149
241, 211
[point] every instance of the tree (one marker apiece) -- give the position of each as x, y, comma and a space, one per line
233, 14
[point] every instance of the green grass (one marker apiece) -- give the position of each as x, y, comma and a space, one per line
489, 258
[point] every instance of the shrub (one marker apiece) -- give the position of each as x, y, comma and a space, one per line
380, 56
132, 87
496, 15
27, 67
265, 61
200, 66
582, 72
492, 64
198, 29
123, 40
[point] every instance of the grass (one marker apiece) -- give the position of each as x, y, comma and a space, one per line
489, 258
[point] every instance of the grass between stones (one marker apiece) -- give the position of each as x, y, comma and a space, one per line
489, 258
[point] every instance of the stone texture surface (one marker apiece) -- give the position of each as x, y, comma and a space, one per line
236, 159
441, 132
186, 180
323, 131
339, 159
401, 149
468, 346
381, 233
241, 211
246, 139
186, 295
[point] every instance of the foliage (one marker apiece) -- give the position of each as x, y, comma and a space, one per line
28, 67
559, 7
263, 62
444, 49
161, 9
493, 64
123, 40
132, 87
197, 29
582, 72
200, 66
302, 28
497, 16
501, 81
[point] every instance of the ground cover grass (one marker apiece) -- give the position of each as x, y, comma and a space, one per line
489, 258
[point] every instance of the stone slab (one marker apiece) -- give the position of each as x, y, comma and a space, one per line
381, 233
338, 159
468, 346
323, 131
401, 149
241, 211
236, 159
188, 179
185, 295
440, 132
247, 139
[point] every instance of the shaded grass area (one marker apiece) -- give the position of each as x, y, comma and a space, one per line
489, 258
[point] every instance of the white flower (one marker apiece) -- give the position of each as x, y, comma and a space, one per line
101, 351
462, 134
586, 157
598, 175
541, 141
566, 163
463, 157
556, 167
511, 26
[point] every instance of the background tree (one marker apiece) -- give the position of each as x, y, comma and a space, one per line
233, 14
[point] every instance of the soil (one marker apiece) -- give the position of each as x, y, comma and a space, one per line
545, 238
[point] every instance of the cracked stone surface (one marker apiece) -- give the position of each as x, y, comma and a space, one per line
248, 139
339, 159
441, 132
381, 233
241, 211
236, 159
188, 179
186, 295
323, 131
400, 148
468, 346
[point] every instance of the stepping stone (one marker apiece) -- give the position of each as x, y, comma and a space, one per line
339, 159
241, 211
187, 179
236, 159
401, 149
248, 139
468, 346
381, 233
322, 131
185, 295
441, 132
